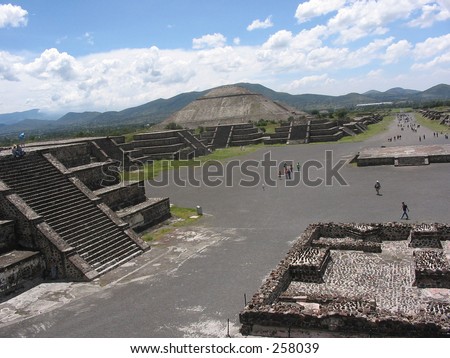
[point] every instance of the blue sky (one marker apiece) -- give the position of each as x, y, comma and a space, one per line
108, 55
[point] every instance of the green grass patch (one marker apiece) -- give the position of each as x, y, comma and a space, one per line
435, 126
151, 171
373, 130
270, 128
180, 217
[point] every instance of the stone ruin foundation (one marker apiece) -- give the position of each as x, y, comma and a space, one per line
357, 280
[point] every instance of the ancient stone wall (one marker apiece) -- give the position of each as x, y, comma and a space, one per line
7, 236
24, 267
122, 195
432, 269
98, 175
73, 155
146, 214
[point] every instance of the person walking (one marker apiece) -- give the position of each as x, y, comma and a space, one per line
377, 187
405, 211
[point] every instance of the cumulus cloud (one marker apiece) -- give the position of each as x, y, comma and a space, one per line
309, 39
432, 46
53, 64
258, 24
321, 80
8, 70
12, 15
440, 61
396, 51
313, 8
432, 12
279, 40
214, 40
361, 18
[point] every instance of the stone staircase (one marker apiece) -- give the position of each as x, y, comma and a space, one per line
221, 136
77, 219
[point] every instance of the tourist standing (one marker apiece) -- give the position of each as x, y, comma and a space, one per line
377, 187
405, 211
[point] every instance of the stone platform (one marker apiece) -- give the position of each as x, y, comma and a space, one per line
405, 155
399, 291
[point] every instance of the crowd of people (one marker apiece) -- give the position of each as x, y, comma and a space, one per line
405, 121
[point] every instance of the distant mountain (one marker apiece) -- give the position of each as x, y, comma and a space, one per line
440, 91
11, 118
73, 117
314, 101
160, 109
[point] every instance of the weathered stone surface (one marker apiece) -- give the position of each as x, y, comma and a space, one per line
377, 293
228, 105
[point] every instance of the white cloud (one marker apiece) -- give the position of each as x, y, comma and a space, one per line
313, 8
310, 39
361, 18
214, 40
432, 12
53, 64
442, 61
258, 24
12, 15
432, 46
396, 51
321, 80
326, 58
279, 40
237, 41
7, 66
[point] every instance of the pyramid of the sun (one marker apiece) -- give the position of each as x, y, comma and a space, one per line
229, 105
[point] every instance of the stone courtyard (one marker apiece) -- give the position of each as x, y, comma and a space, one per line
400, 290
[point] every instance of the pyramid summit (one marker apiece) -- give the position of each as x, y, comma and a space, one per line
229, 105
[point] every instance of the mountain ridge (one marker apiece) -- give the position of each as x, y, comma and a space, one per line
158, 110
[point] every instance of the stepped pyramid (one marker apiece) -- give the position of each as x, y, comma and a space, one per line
52, 205
229, 105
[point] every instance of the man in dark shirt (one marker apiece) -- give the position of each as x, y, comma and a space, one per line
405, 210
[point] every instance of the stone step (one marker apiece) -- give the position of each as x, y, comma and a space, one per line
63, 192
72, 204
95, 245
22, 181
117, 254
51, 202
74, 221
23, 165
108, 250
76, 210
81, 242
117, 262
46, 191
84, 225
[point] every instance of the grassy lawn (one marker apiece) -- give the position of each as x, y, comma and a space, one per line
270, 127
151, 171
435, 126
374, 129
180, 217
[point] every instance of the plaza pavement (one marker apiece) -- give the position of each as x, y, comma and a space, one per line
192, 281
